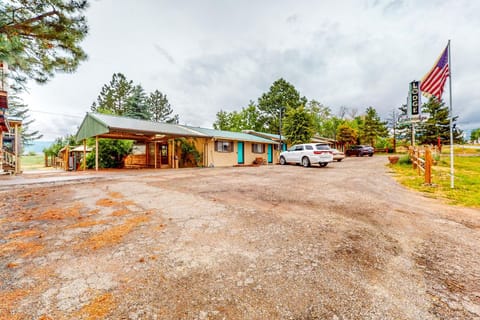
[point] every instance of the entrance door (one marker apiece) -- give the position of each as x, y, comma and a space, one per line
240, 158
269, 154
163, 153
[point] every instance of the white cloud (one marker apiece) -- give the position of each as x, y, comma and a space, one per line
212, 55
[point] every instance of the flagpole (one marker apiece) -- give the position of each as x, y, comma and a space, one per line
452, 179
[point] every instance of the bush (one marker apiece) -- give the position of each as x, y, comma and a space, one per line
189, 156
111, 153
405, 159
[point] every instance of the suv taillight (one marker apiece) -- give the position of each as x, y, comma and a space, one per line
322, 152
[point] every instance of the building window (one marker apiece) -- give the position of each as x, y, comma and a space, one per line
223, 146
258, 148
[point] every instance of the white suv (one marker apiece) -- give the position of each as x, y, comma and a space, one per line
307, 153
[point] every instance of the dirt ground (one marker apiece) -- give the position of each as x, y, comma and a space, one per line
268, 242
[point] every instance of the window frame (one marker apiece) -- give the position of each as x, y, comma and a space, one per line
220, 146
258, 144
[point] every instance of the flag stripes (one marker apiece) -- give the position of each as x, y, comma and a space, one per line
433, 82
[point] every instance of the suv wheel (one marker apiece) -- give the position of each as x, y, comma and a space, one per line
305, 162
282, 161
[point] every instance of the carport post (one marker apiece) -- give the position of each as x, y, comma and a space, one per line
155, 153
96, 153
84, 154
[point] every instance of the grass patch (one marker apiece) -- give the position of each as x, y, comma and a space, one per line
467, 180
33, 162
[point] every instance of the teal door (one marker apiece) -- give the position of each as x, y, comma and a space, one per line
240, 152
269, 154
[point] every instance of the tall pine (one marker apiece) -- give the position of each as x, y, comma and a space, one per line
437, 124
160, 109
39, 38
114, 96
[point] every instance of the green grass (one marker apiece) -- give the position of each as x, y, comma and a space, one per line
467, 179
30, 162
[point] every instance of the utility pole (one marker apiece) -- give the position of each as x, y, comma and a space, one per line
280, 130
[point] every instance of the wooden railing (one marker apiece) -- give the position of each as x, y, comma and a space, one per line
422, 161
8, 161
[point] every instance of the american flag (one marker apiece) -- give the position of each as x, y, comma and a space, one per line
434, 81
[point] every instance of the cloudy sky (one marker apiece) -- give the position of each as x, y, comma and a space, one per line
208, 55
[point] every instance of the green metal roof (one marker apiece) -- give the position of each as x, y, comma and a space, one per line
265, 134
95, 124
230, 135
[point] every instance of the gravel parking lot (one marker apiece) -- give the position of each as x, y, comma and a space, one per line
270, 242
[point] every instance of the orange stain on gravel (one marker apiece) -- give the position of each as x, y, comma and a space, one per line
113, 235
60, 213
120, 212
98, 308
116, 195
23, 234
105, 202
86, 223
8, 300
25, 248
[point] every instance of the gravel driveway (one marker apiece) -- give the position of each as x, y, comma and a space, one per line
268, 242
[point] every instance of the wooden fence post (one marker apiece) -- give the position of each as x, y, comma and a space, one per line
428, 165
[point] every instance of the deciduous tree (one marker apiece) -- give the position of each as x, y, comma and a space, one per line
346, 134
299, 125
273, 104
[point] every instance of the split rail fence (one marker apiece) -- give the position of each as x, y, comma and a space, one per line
422, 161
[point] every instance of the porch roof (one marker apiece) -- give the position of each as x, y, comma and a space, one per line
117, 127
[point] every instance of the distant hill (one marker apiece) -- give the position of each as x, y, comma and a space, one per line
37, 146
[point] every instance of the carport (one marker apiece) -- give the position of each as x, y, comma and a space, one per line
151, 133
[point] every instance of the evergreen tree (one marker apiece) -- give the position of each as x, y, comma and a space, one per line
136, 106
299, 125
114, 96
39, 38
475, 135
273, 104
437, 124
18, 109
372, 127
160, 108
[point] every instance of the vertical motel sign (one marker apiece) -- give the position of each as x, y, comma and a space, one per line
414, 94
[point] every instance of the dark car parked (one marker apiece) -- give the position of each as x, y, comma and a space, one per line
359, 151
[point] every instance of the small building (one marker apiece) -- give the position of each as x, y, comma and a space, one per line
10, 144
157, 144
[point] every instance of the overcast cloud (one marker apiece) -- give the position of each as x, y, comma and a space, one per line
212, 55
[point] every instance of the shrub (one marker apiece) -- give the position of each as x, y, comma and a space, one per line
111, 153
405, 159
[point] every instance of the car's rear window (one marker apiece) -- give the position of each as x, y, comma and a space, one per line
322, 147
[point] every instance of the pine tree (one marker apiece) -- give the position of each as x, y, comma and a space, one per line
136, 107
39, 38
114, 96
18, 109
437, 124
372, 127
160, 108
